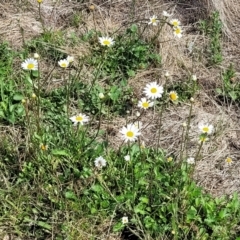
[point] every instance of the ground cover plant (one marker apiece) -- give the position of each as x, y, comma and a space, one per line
123, 127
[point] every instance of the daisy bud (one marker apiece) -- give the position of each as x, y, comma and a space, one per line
36, 56
194, 77
101, 95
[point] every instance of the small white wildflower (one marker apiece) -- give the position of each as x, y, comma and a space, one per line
153, 20
124, 220
191, 160
130, 132
175, 22
70, 59
153, 90
205, 128
100, 162
166, 14
106, 41
173, 96
127, 158
80, 118
177, 32
144, 103
30, 64
63, 63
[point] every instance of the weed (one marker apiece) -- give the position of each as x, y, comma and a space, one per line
213, 29
230, 88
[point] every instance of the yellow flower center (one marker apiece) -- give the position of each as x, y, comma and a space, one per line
205, 129
175, 24
30, 66
130, 134
145, 104
153, 90
43, 147
177, 30
154, 20
228, 160
173, 96
169, 159
63, 65
79, 118
106, 42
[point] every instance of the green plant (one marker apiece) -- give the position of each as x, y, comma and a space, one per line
213, 28
230, 88
128, 54
11, 108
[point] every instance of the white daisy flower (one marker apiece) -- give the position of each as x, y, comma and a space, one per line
100, 162
30, 64
145, 103
130, 133
153, 90
175, 22
173, 96
70, 59
177, 32
191, 160
106, 41
205, 128
153, 20
80, 118
166, 14
63, 63
124, 220
127, 158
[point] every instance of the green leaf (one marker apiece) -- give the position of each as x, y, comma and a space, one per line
58, 152
118, 227
131, 73
29, 80
18, 97
144, 200
44, 225
97, 188
70, 195
219, 91
35, 73
134, 28
233, 95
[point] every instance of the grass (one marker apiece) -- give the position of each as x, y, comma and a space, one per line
83, 158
